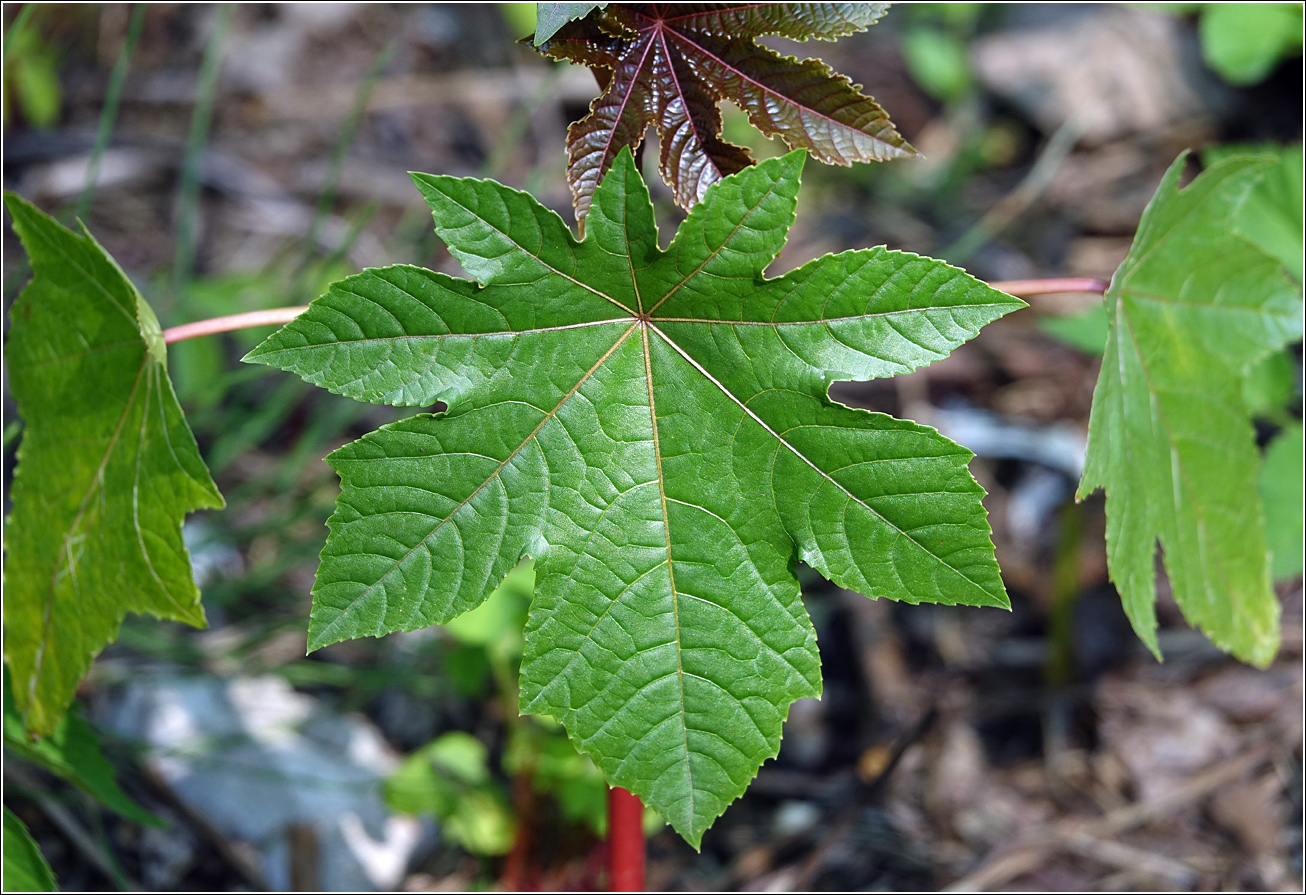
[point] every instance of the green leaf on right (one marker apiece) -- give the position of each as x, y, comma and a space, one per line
1194, 305
107, 468
1281, 490
25, 869
1243, 42
654, 428
1271, 218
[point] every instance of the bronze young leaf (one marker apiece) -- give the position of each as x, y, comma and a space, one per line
669, 64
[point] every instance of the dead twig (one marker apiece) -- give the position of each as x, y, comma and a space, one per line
1090, 838
864, 794
229, 853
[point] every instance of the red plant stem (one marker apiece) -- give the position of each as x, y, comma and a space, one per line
516, 867
625, 841
273, 317
1051, 286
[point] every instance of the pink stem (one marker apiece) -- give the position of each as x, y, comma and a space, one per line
273, 317
1051, 286
277, 316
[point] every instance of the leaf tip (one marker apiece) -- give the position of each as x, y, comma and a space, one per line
316, 640
258, 354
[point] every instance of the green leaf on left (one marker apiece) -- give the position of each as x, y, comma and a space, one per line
107, 468
25, 869
72, 752
1195, 304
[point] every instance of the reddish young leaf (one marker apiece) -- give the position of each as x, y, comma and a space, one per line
670, 64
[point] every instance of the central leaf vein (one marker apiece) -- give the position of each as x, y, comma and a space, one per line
671, 566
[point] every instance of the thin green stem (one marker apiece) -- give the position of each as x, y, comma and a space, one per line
200, 120
515, 130
327, 198
16, 28
355, 231
109, 115
1018, 201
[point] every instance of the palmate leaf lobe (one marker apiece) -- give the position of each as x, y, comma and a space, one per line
1193, 306
107, 468
654, 428
670, 64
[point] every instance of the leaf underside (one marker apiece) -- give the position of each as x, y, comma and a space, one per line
668, 65
549, 17
1191, 308
653, 427
107, 469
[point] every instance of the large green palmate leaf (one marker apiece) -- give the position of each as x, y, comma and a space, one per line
669, 65
106, 471
653, 427
1192, 307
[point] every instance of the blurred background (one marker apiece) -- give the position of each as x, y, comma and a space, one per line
250, 154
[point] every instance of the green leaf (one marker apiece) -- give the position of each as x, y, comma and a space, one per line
670, 65
31, 69
1086, 330
549, 17
1280, 484
25, 869
499, 619
1244, 41
449, 778
654, 428
72, 751
1191, 308
107, 468
1270, 385
1272, 215
938, 61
